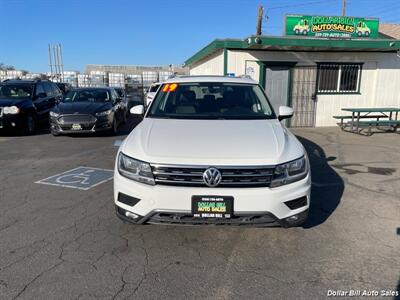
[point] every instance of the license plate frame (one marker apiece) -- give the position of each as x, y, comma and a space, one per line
76, 127
212, 206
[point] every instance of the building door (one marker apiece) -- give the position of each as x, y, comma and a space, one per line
277, 86
303, 96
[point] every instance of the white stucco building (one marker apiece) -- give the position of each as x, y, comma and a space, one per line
317, 77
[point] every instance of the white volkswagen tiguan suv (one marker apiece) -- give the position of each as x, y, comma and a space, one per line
211, 150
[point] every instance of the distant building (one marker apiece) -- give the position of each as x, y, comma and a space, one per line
131, 69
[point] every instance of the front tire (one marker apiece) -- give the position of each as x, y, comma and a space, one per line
114, 127
55, 133
30, 125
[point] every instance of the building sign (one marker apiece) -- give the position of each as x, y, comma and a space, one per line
331, 26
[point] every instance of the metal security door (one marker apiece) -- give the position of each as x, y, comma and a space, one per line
276, 86
303, 97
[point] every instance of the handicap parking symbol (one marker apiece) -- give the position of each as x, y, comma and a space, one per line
82, 178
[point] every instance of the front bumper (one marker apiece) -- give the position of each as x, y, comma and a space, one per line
172, 205
96, 124
12, 121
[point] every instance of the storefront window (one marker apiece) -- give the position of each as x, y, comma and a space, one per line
338, 78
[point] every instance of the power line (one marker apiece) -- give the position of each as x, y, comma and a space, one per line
301, 4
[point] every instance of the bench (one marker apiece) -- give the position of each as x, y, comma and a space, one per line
377, 123
341, 118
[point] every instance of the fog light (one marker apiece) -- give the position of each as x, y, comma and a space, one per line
292, 218
131, 215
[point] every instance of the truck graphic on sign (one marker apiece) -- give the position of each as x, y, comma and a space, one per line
302, 27
362, 29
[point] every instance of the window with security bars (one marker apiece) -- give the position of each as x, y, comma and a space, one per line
339, 78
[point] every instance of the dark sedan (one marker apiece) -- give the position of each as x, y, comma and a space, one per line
88, 110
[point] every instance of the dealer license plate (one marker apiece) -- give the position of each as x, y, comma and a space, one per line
76, 127
212, 206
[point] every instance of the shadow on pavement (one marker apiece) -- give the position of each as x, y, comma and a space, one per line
327, 187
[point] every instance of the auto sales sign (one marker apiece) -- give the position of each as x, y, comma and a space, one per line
331, 26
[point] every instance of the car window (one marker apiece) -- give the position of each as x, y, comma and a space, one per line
15, 91
39, 89
211, 101
48, 88
55, 88
89, 95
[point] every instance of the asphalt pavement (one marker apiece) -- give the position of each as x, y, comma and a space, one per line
58, 242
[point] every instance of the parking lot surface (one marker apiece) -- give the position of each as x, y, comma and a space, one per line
60, 242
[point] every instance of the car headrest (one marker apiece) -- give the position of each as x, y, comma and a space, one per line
188, 97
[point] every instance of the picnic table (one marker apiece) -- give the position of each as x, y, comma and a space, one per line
386, 116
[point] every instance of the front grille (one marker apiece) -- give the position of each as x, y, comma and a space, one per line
69, 127
188, 219
231, 176
76, 119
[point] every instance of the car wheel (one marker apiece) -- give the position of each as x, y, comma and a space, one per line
55, 133
366, 33
297, 31
30, 125
125, 117
114, 127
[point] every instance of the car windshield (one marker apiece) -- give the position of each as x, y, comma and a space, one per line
211, 101
99, 95
16, 91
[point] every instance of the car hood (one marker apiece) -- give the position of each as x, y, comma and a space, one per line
11, 102
212, 142
81, 107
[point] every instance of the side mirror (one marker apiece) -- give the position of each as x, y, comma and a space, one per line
137, 110
42, 95
285, 112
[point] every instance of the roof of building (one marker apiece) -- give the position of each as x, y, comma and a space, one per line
296, 44
211, 78
390, 30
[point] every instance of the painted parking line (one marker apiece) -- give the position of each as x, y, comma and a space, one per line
81, 178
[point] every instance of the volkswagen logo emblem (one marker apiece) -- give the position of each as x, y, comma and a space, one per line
212, 177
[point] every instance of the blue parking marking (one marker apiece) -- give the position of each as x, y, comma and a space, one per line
82, 178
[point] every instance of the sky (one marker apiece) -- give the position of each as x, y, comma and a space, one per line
148, 32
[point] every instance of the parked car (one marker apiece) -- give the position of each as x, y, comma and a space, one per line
211, 150
121, 94
64, 87
151, 92
25, 103
88, 110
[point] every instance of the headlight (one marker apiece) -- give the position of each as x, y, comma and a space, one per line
289, 172
135, 169
104, 113
54, 114
12, 110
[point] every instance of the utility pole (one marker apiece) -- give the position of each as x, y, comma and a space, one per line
344, 8
259, 19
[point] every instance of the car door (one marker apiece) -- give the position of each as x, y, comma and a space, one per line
51, 94
40, 101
